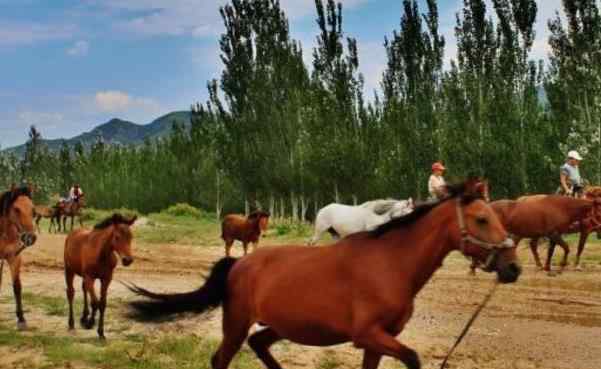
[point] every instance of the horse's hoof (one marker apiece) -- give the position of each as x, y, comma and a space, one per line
101, 337
578, 268
22, 326
551, 273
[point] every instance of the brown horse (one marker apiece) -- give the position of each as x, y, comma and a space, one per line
51, 213
70, 209
16, 233
244, 229
360, 289
90, 254
540, 216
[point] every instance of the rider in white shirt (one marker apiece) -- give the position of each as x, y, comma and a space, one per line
436, 183
75, 193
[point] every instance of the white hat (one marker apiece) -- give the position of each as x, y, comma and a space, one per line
574, 155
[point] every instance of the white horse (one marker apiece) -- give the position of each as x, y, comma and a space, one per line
343, 220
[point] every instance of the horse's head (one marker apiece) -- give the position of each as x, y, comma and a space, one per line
121, 236
17, 208
481, 236
401, 208
261, 218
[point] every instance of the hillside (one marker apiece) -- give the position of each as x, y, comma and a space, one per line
117, 131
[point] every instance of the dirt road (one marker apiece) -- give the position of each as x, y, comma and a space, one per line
540, 322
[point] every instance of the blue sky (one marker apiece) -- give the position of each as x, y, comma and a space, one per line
67, 66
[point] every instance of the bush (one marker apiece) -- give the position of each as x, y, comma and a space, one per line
182, 210
97, 215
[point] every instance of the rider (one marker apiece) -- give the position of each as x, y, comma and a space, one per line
569, 176
75, 193
436, 183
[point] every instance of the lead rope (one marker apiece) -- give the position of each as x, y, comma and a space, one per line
469, 324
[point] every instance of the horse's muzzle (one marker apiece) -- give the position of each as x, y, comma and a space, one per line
510, 273
127, 261
28, 239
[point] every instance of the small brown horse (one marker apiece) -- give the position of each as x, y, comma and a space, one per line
90, 254
541, 216
16, 233
244, 229
51, 213
360, 289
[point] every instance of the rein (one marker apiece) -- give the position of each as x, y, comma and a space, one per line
469, 324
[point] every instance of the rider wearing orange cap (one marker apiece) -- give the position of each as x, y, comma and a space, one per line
436, 183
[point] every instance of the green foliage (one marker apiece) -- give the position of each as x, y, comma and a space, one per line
182, 210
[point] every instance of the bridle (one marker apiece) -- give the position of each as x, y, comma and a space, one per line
467, 237
24, 238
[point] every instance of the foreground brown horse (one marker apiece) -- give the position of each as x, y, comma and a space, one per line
51, 213
361, 289
540, 216
244, 229
16, 233
90, 254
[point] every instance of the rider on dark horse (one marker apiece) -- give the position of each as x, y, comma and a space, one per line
571, 183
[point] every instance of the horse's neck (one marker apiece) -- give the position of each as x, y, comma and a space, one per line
426, 242
100, 241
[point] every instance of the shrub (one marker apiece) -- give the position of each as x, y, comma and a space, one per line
182, 210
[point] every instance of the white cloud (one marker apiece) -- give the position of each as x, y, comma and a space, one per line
16, 34
118, 101
80, 48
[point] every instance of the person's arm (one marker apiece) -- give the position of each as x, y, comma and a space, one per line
563, 178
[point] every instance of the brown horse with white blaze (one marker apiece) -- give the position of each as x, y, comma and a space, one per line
244, 229
92, 254
324, 296
17, 232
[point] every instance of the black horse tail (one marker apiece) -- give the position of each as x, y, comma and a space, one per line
160, 306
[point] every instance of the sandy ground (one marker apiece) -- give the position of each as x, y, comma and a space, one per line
541, 322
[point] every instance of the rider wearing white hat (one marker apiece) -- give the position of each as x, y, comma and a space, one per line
569, 175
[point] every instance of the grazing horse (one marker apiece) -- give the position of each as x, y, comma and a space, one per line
92, 254
52, 213
540, 216
244, 229
16, 233
359, 290
344, 220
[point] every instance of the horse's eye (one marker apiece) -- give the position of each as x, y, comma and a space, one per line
481, 221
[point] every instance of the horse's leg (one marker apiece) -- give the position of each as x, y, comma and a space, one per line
566, 251
534, 249
228, 247
236, 324
371, 360
379, 342
550, 252
319, 231
72, 218
245, 247
15, 271
37, 223
85, 314
89, 286
581, 244
104, 286
260, 342
69, 275
473, 266
255, 245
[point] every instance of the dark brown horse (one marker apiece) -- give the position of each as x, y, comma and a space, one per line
92, 254
16, 233
70, 209
244, 229
539, 216
360, 289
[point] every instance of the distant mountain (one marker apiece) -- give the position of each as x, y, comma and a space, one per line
117, 131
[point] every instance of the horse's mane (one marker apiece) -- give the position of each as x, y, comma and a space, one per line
8, 198
114, 219
420, 210
380, 207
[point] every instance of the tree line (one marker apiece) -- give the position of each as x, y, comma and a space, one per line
290, 137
